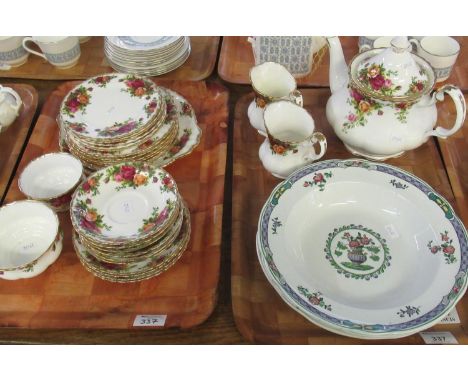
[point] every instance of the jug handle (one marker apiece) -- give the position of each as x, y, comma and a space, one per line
322, 141
460, 106
14, 94
25, 46
296, 97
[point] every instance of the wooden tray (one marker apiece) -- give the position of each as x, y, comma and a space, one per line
92, 62
236, 59
12, 141
67, 296
455, 155
260, 314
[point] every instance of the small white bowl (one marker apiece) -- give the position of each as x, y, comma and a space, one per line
30, 238
52, 178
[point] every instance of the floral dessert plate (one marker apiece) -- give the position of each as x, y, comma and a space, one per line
189, 133
124, 203
363, 249
110, 106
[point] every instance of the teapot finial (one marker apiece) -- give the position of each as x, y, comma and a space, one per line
400, 44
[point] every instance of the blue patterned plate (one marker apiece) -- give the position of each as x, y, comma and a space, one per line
363, 249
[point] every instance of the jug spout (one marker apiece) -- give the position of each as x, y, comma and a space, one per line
338, 69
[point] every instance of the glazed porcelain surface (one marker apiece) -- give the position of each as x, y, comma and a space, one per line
142, 42
363, 249
61, 51
291, 139
117, 203
10, 104
389, 91
12, 53
28, 229
270, 82
52, 178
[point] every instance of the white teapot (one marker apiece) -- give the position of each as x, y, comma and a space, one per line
291, 139
384, 104
10, 103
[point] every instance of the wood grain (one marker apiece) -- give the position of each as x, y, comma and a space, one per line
260, 314
13, 140
236, 59
92, 62
67, 296
455, 155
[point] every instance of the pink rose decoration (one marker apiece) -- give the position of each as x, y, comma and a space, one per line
352, 117
449, 250
377, 82
354, 243
387, 83
434, 249
318, 178
127, 172
118, 177
356, 95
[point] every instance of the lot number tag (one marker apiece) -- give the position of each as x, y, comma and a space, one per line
150, 320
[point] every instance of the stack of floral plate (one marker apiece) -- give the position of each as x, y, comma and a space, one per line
121, 117
149, 55
130, 222
362, 249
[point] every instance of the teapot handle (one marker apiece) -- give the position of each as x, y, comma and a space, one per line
322, 141
14, 94
460, 106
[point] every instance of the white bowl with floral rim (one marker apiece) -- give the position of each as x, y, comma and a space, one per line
124, 204
52, 178
110, 107
363, 249
29, 238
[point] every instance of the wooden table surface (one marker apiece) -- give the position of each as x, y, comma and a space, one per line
219, 328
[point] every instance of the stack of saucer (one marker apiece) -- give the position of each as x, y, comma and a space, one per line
148, 55
117, 117
130, 222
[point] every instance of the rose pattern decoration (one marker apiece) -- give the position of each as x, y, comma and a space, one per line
88, 217
157, 218
77, 100
138, 86
376, 78
362, 107
90, 186
278, 147
314, 298
180, 143
61, 201
130, 175
402, 110
171, 109
167, 184
150, 108
186, 109
101, 81
120, 128
78, 127
319, 179
446, 247
416, 86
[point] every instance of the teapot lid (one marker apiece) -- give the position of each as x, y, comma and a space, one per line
392, 74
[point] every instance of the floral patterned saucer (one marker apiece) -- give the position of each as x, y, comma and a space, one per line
124, 204
112, 106
149, 266
363, 249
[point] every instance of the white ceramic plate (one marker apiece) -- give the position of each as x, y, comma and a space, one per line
128, 201
363, 249
110, 106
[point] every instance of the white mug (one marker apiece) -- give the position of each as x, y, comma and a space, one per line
62, 52
12, 52
440, 51
366, 41
10, 103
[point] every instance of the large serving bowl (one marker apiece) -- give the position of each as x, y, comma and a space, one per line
30, 239
52, 178
363, 249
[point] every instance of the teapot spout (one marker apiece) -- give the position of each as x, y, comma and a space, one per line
338, 75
